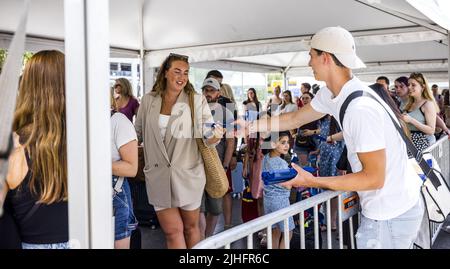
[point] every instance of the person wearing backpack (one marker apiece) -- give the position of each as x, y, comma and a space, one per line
389, 192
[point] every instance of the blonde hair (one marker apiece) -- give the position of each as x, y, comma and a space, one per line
161, 82
40, 121
427, 94
125, 85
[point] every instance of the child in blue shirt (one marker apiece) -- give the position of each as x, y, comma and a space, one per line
275, 196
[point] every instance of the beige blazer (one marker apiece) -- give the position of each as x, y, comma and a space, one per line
174, 172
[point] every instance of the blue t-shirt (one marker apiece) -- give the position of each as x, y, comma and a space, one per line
271, 164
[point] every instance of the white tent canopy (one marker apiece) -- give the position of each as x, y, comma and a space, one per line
394, 37
267, 35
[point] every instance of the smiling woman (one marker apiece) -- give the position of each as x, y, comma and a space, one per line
174, 171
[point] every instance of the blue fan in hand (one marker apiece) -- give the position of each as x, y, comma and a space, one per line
278, 176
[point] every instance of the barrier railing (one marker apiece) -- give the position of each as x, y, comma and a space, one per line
247, 230
440, 151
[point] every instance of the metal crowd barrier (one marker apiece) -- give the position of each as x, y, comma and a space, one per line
440, 151
247, 230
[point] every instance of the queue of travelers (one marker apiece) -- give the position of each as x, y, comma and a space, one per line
306, 126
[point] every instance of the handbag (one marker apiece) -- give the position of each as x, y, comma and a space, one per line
434, 190
216, 178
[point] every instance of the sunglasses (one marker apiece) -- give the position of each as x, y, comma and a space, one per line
180, 56
174, 56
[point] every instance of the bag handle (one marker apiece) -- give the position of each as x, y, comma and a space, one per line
191, 106
409, 145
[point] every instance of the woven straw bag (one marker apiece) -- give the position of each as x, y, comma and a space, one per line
216, 178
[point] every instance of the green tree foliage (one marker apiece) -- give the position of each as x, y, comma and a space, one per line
2, 58
3, 53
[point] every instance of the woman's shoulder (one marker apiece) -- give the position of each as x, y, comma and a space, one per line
134, 101
17, 167
429, 105
120, 121
149, 96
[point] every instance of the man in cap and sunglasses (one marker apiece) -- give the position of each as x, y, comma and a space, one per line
389, 193
219, 106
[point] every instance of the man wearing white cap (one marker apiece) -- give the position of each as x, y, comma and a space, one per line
389, 193
212, 207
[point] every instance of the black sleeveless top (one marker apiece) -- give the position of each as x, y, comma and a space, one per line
47, 225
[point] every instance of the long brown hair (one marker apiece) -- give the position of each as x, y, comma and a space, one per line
40, 121
161, 82
427, 94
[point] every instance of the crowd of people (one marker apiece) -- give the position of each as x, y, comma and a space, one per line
173, 117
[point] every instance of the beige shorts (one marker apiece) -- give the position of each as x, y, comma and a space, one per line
189, 207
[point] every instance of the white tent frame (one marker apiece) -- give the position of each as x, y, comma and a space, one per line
89, 172
87, 51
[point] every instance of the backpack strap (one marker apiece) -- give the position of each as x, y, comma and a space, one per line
344, 106
118, 186
409, 145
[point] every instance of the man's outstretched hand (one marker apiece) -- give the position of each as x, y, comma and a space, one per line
303, 179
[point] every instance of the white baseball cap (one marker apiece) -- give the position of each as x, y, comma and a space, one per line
212, 82
338, 41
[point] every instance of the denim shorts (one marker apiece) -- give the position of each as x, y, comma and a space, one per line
124, 220
396, 233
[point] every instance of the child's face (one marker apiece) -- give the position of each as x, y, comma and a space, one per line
282, 145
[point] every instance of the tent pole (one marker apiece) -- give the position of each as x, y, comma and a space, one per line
285, 80
88, 123
141, 90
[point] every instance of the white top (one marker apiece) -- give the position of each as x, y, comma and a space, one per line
122, 132
288, 108
368, 128
163, 122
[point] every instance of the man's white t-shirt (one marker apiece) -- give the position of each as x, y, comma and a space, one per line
122, 132
368, 128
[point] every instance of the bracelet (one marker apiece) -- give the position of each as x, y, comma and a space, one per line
331, 138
